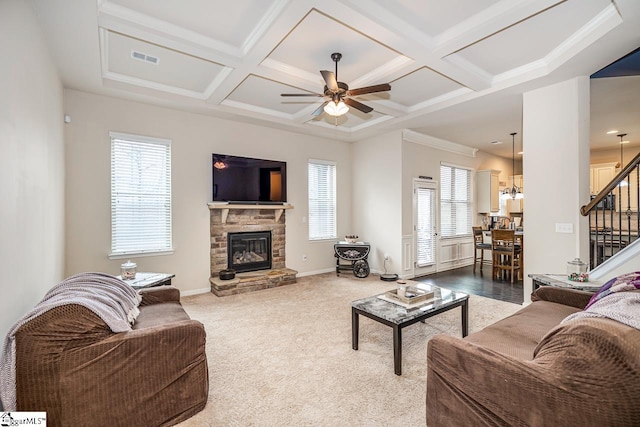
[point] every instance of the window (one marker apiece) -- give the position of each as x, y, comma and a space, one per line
140, 195
455, 201
322, 200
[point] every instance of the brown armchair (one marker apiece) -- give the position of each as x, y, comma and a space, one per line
71, 365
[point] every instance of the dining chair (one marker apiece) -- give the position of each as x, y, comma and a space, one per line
479, 245
520, 248
506, 253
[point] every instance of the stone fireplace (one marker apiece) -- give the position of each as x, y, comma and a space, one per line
251, 240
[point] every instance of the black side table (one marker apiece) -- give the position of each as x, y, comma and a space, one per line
352, 257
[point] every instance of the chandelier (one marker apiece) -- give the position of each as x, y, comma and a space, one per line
514, 192
624, 182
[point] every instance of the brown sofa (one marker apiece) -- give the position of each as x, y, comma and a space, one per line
71, 365
528, 370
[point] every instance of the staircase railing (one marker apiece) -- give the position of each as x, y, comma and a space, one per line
613, 214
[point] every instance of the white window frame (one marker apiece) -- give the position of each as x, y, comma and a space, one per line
463, 230
141, 233
329, 212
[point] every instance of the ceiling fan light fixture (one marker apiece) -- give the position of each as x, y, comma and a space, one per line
336, 108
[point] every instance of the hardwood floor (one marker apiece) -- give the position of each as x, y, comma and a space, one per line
478, 283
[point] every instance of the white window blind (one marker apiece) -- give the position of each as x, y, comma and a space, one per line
425, 227
322, 200
455, 201
140, 195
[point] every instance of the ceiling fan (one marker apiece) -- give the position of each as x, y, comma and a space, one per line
338, 93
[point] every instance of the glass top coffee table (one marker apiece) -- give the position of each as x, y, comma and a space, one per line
398, 317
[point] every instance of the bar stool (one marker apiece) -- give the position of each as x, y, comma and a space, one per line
478, 244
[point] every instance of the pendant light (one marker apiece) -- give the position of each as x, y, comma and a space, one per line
514, 192
622, 183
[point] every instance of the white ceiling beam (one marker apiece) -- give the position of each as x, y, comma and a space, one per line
134, 24
290, 14
490, 21
364, 15
596, 28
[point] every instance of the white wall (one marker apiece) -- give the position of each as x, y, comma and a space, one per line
194, 138
419, 160
31, 165
556, 167
613, 154
377, 198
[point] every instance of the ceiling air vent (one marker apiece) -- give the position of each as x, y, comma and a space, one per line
144, 57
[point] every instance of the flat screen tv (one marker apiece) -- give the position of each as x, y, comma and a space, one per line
246, 180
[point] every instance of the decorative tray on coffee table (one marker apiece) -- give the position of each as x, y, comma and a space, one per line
412, 295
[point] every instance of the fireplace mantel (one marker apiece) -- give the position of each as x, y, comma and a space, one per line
225, 207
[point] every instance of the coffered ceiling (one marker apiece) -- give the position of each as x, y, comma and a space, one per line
457, 69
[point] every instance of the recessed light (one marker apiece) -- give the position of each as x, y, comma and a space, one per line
611, 132
624, 142
496, 142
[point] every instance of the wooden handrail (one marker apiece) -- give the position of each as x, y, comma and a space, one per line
586, 209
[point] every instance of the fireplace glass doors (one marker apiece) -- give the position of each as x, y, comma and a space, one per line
249, 251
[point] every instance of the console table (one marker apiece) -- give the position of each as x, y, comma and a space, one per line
149, 280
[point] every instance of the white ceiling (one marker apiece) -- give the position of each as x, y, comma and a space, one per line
457, 69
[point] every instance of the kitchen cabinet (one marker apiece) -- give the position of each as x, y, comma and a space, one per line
628, 196
515, 206
600, 175
487, 191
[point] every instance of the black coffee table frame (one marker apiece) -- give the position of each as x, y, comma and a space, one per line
398, 326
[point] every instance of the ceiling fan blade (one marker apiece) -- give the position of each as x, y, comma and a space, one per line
358, 105
319, 110
369, 89
301, 94
330, 80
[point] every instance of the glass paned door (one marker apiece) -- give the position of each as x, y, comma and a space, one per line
425, 226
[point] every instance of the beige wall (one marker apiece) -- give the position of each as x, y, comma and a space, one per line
556, 167
377, 198
383, 169
31, 165
613, 154
194, 138
420, 160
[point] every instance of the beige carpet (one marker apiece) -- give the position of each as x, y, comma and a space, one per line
283, 357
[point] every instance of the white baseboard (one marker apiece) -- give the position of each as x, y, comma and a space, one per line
313, 273
195, 292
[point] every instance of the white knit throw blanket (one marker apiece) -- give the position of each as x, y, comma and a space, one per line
623, 307
115, 302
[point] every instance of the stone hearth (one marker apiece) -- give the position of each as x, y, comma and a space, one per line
253, 281
248, 218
